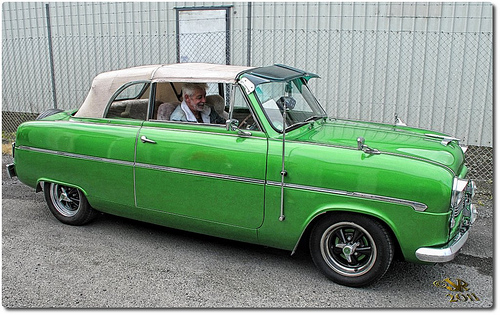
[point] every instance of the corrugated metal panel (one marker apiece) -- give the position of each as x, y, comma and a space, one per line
24, 63
430, 63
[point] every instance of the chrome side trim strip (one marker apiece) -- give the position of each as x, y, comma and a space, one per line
77, 120
148, 166
77, 156
198, 131
417, 206
201, 173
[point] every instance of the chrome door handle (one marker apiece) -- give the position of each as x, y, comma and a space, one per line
144, 139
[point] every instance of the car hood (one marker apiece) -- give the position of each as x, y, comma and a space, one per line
403, 141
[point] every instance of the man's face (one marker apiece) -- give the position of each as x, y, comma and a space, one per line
196, 102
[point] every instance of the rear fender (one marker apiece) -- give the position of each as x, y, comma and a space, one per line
41, 184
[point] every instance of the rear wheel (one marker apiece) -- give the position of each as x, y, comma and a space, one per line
68, 204
351, 249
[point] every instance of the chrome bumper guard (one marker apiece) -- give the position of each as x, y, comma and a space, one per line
11, 170
450, 250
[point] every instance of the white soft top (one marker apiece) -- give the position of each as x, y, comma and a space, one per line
105, 84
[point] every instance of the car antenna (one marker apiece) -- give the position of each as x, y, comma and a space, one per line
283, 171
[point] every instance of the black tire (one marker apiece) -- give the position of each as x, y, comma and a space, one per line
351, 249
68, 204
48, 112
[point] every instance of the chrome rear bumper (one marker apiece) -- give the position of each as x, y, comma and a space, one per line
11, 170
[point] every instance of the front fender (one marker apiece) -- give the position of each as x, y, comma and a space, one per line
332, 210
409, 228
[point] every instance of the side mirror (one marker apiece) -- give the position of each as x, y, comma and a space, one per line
232, 125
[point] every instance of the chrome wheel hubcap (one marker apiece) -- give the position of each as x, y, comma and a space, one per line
65, 199
348, 249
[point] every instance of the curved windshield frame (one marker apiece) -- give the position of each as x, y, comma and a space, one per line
294, 96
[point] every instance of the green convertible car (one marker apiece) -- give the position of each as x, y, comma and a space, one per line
248, 153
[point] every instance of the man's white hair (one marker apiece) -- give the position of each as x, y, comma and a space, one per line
191, 88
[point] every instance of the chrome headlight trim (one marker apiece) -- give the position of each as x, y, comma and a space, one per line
458, 193
461, 199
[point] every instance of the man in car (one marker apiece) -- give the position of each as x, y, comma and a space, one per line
194, 108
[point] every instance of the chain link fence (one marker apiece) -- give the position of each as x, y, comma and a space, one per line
438, 81
425, 79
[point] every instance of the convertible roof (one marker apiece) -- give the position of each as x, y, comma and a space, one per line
278, 72
106, 84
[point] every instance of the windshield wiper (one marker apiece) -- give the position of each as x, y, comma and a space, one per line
305, 122
314, 117
297, 125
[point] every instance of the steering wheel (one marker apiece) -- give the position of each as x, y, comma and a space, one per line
244, 121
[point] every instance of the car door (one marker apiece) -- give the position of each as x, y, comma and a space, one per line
99, 152
202, 171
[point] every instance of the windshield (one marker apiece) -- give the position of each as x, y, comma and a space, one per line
294, 96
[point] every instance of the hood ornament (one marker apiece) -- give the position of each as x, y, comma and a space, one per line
363, 147
398, 121
445, 140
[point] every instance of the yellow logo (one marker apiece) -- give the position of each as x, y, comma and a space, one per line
447, 283
459, 286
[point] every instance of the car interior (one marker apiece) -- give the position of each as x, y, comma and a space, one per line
132, 102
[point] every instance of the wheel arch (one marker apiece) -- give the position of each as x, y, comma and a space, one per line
67, 203
41, 184
324, 213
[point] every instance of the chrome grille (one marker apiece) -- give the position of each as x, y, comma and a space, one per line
459, 208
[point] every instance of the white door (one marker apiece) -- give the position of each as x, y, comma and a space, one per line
203, 35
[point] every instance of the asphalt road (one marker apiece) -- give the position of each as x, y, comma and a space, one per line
119, 263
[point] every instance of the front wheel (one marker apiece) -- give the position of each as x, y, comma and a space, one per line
68, 204
351, 249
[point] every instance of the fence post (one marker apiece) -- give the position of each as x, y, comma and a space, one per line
249, 34
51, 56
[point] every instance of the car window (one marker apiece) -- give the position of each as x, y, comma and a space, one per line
133, 91
168, 98
301, 106
242, 112
167, 95
130, 102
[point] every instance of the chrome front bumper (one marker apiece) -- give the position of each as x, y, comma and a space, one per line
450, 250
